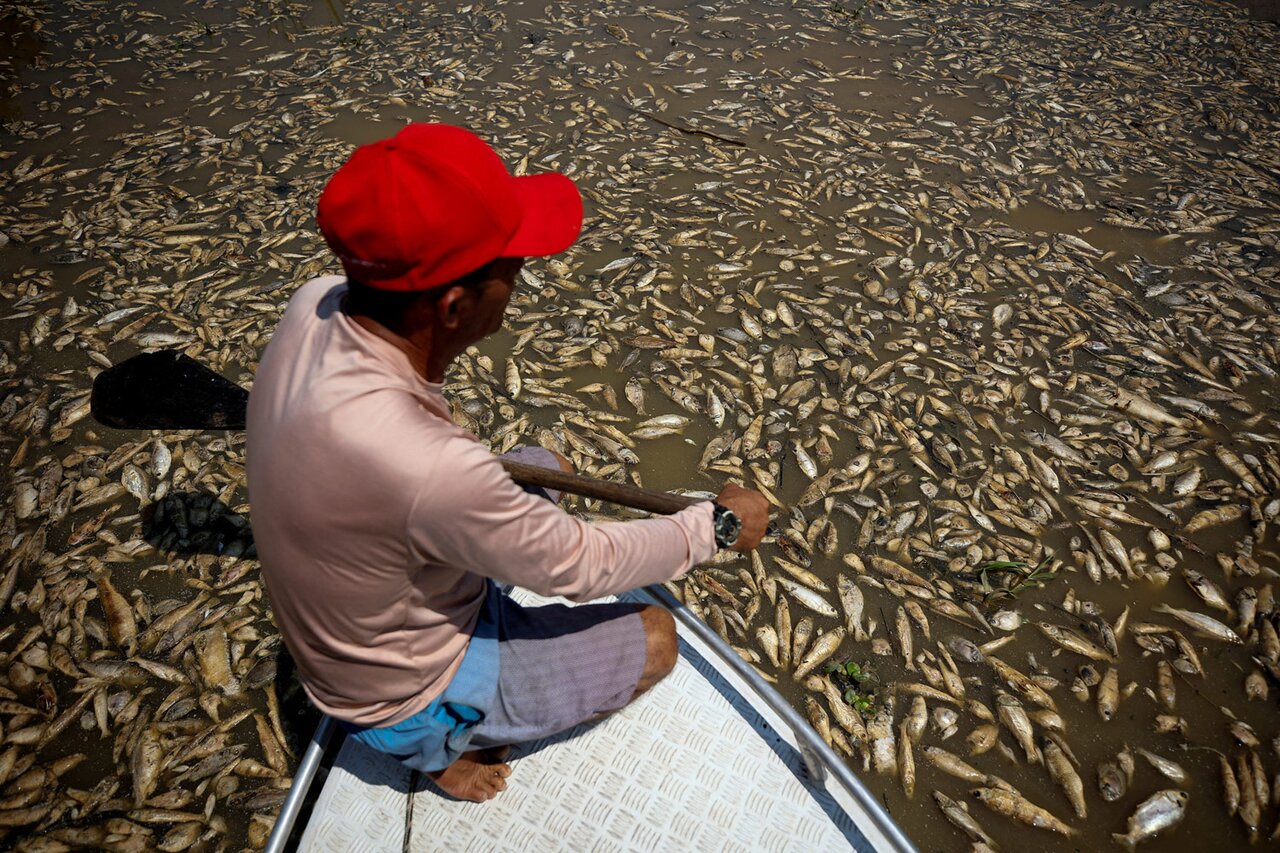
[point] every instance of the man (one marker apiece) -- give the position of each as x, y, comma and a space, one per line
385, 529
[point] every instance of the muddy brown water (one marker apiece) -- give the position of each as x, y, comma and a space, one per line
227, 117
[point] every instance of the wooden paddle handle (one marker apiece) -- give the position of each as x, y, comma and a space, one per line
648, 500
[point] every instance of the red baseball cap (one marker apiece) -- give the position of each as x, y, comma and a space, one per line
433, 203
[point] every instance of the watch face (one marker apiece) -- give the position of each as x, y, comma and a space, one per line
727, 527
734, 525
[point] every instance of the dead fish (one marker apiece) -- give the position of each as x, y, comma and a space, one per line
1064, 775
1073, 642
1021, 683
1247, 608
145, 764
1112, 783
803, 575
845, 717
1015, 719
852, 603
134, 480
633, 390
954, 765
767, 637
906, 762
823, 648
1233, 463
902, 626
982, 738
215, 666
818, 718
1166, 689
807, 597
1108, 698
800, 636
1204, 626
959, 817
1153, 815
1215, 517
916, 718
924, 690
1250, 808
1186, 483
880, 737
948, 385
1016, 807
1230, 787
1206, 590
1169, 769
121, 623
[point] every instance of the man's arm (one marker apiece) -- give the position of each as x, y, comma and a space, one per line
750, 507
473, 516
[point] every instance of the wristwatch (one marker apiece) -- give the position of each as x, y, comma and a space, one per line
726, 524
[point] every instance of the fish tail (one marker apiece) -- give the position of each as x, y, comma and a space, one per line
1123, 839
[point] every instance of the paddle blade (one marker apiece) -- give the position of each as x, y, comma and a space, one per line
166, 390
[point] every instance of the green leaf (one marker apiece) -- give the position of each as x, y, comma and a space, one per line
853, 670
851, 697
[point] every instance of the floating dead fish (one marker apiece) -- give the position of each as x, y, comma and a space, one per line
946, 343
1153, 815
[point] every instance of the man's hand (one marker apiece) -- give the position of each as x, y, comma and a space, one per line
752, 509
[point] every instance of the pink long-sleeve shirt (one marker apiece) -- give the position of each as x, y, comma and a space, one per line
377, 519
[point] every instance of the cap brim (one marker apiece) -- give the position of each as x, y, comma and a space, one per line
552, 216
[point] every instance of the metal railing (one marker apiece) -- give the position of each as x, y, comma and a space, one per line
301, 784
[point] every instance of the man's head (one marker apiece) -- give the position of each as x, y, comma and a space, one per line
454, 315
434, 204
432, 213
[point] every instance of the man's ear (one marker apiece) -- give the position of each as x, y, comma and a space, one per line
450, 306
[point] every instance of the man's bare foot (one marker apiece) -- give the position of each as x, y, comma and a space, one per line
476, 776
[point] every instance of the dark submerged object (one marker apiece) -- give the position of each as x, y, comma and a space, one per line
166, 390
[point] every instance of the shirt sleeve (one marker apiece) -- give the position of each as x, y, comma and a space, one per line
486, 524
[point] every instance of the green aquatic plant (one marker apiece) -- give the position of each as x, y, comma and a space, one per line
1015, 576
861, 704
856, 683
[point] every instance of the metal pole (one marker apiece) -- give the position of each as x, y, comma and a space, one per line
811, 745
301, 784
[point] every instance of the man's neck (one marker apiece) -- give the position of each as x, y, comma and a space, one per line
417, 347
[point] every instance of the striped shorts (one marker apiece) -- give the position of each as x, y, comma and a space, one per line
559, 665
